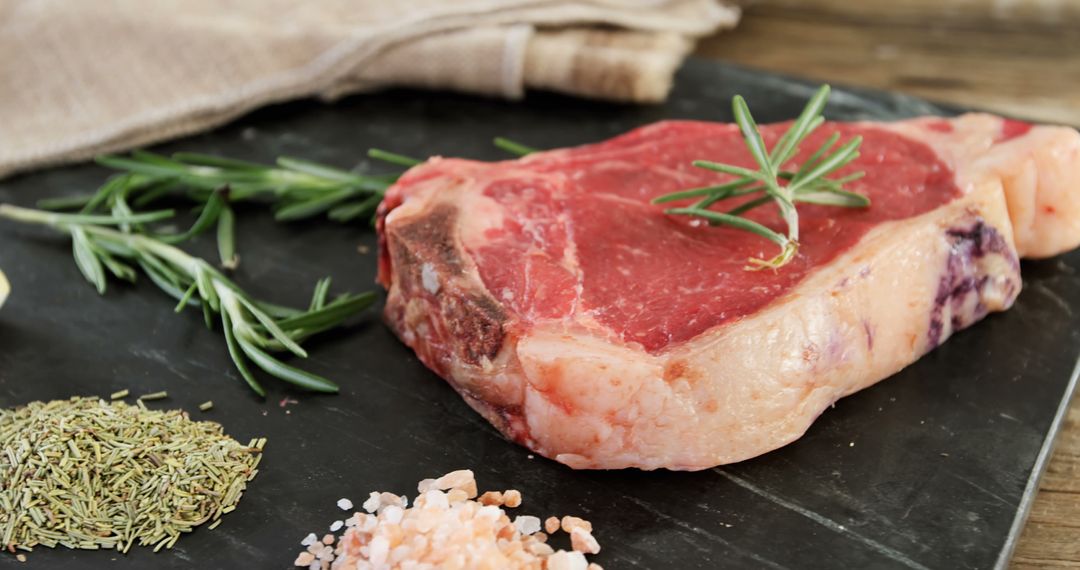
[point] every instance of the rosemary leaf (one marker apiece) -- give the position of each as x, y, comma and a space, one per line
512, 147
332, 314
273, 328
106, 192
831, 163
809, 120
830, 197
750, 133
278, 369
724, 190
313, 207
207, 217
352, 210
238, 357
816, 157
88, 263
393, 157
747, 206
733, 221
198, 159
318, 297
729, 169
226, 238
58, 219
163, 282
319, 170
186, 299
65, 202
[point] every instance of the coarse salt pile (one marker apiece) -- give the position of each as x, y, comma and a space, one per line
448, 528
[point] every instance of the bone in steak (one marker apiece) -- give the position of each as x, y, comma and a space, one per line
589, 326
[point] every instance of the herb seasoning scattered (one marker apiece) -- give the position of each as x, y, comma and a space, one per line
86, 473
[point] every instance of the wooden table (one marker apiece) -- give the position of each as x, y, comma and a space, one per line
1020, 58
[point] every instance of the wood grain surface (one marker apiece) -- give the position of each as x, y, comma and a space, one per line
1019, 57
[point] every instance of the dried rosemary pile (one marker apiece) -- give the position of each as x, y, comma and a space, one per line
85, 473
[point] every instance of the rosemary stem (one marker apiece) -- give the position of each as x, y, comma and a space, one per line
55, 219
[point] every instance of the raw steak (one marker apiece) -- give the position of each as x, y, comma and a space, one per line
589, 326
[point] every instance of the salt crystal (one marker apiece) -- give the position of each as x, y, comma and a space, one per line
489, 498
425, 485
379, 549
551, 524
344, 504
309, 540
459, 479
392, 514
563, 560
372, 503
304, 559
526, 524
569, 523
336, 526
436, 500
492, 513
583, 541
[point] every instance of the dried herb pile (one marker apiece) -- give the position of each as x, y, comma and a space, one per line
86, 473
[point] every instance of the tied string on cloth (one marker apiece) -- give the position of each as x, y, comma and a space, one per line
84, 78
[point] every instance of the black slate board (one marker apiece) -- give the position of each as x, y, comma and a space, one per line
933, 468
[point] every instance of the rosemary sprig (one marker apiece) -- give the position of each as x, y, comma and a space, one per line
808, 184
297, 189
106, 243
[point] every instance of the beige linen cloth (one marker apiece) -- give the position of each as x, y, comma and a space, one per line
81, 77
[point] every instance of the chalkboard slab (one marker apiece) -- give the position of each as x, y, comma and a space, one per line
933, 468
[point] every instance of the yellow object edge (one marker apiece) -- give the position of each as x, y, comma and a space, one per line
5, 288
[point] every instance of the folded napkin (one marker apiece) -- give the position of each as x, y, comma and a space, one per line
82, 78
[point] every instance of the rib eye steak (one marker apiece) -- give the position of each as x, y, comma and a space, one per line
588, 325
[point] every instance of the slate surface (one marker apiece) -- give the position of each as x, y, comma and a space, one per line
930, 469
